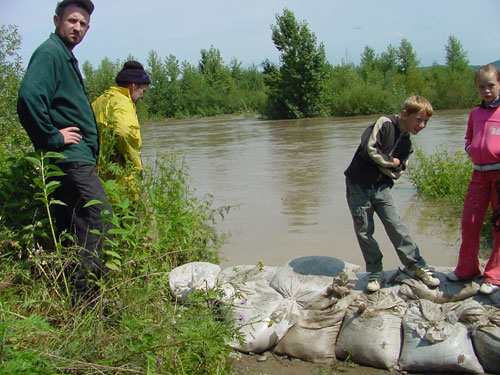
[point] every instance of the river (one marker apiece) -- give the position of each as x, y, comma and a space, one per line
285, 181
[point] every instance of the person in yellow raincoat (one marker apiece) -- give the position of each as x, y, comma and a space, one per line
115, 112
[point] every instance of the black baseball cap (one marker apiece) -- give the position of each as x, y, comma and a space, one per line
87, 4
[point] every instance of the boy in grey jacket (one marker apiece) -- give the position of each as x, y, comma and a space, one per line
379, 160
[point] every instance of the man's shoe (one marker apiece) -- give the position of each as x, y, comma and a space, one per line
375, 281
452, 276
425, 275
489, 288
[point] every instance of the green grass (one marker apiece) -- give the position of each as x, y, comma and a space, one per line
442, 176
147, 331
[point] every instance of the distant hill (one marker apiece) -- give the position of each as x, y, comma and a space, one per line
496, 63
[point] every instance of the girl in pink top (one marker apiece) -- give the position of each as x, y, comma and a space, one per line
483, 146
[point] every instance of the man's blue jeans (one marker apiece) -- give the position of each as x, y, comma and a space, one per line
362, 204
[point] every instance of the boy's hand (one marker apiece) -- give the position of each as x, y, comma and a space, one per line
397, 162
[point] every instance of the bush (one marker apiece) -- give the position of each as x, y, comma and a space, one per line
134, 324
442, 176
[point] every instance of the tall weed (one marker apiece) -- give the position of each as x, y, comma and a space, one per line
442, 176
134, 326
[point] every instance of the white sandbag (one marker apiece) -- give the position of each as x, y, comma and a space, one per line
371, 330
434, 340
305, 278
486, 340
190, 276
447, 291
314, 335
261, 315
231, 278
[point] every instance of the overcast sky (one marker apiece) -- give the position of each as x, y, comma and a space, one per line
241, 29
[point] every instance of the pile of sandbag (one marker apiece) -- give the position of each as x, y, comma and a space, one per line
315, 308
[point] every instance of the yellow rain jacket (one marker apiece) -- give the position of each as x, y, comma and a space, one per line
115, 108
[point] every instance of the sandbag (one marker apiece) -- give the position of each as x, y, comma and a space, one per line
261, 316
190, 276
313, 337
371, 330
435, 340
303, 279
230, 279
447, 291
486, 340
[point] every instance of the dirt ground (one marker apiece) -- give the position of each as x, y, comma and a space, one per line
272, 364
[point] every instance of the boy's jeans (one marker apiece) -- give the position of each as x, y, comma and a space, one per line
362, 204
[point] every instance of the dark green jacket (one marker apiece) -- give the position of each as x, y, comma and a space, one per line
51, 97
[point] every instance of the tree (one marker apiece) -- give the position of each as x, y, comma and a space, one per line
406, 57
389, 59
212, 67
156, 96
369, 63
235, 68
368, 57
173, 86
11, 73
99, 80
456, 56
297, 85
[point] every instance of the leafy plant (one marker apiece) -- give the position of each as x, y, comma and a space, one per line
442, 175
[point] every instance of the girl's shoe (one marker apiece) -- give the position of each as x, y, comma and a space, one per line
488, 288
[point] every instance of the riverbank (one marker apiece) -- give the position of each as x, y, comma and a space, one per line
272, 364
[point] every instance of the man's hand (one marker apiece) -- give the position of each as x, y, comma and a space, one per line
397, 162
71, 135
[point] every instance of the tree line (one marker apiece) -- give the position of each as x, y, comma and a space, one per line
302, 84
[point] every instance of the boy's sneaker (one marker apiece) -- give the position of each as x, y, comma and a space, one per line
452, 276
425, 275
488, 288
375, 281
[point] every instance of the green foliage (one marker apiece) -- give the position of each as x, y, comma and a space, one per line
23, 220
151, 333
453, 89
303, 84
406, 57
10, 79
181, 90
349, 94
99, 80
296, 87
442, 175
456, 56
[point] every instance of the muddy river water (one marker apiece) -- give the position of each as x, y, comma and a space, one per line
285, 180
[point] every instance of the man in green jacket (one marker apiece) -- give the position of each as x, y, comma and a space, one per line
54, 109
